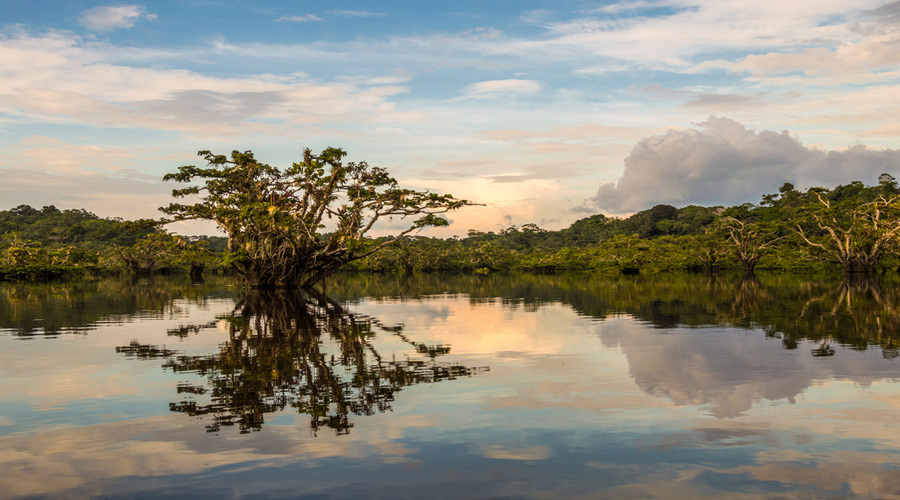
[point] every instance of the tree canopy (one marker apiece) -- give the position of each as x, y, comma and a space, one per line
277, 223
294, 227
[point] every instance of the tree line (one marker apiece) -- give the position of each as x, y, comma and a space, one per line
49, 243
852, 228
293, 227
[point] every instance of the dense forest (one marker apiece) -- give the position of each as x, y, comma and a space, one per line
854, 228
52, 243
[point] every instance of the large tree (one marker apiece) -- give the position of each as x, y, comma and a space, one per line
853, 224
295, 227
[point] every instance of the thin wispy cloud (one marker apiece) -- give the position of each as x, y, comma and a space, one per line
498, 88
638, 6
100, 94
113, 17
538, 17
357, 13
298, 19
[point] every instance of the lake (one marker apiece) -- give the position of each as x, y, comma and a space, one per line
525, 386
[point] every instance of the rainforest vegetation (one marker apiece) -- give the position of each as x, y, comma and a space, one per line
276, 220
50, 243
852, 228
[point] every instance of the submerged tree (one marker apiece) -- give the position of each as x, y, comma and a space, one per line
276, 220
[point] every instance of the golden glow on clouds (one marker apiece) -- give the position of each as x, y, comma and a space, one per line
523, 112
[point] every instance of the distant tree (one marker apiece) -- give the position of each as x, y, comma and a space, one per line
888, 184
21, 252
276, 220
591, 230
851, 224
151, 253
652, 222
748, 240
709, 249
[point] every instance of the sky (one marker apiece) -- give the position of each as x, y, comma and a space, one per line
543, 112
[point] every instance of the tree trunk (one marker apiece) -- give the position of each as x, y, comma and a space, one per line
860, 264
197, 272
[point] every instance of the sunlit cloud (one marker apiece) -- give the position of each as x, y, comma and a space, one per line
521, 102
497, 88
724, 163
867, 59
114, 17
109, 95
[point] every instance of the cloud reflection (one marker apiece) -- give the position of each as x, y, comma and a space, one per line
607, 404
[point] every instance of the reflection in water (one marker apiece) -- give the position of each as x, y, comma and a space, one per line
856, 313
725, 369
301, 350
686, 387
33, 309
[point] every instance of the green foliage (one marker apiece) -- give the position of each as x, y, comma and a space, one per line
54, 244
295, 227
590, 230
852, 225
307, 227
51, 227
744, 237
163, 251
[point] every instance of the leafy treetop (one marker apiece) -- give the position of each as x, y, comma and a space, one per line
276, 220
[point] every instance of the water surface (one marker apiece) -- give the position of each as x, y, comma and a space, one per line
441, 386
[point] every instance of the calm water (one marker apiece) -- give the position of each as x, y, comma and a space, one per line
453, 387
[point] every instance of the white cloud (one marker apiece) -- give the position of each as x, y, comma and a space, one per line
537, 17
299, 19
729, 371
825, 70
357, 13
496, 88
61, 78
691, 29
725, 164
111, 18
870, 57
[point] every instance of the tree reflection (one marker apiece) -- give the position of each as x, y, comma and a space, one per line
858, 312
854, 312
302, 350
50, 309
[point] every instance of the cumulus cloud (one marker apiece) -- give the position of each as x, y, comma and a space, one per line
728, 371
111, 18
724, 163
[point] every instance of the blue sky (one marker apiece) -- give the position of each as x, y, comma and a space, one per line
544, 111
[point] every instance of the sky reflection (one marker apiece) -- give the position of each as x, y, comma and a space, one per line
570, 407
